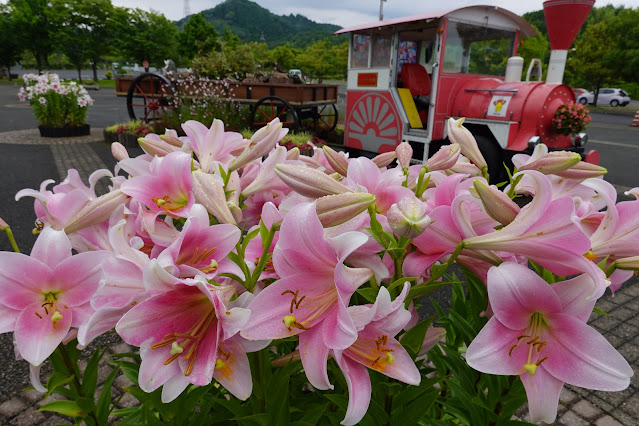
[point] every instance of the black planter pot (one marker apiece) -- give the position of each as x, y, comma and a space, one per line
64, 132
110, 137
128, 140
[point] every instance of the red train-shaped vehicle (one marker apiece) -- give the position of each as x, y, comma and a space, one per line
407, 76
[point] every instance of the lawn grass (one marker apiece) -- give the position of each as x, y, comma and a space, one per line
106, 84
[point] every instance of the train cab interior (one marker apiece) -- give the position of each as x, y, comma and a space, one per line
413, 74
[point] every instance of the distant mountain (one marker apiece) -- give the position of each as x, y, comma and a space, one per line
250, 22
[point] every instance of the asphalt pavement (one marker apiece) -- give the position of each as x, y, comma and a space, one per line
27, 160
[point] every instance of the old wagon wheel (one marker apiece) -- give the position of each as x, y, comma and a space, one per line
326, 118
150, 97
271, 107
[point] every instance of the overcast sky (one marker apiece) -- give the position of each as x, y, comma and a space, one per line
347, 12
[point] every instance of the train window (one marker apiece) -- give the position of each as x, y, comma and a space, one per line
407, 53
381, 53
476, 49
359, 52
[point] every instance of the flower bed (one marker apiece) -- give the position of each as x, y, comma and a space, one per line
264, 286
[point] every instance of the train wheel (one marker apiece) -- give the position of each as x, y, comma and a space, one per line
271, 107
327, 117
150, 98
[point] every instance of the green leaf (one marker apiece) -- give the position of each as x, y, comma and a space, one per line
400, 282
413, 339
599, 311
56, 380
67, 408
261, 419
370, 294
104, 400
90, 376
422, 289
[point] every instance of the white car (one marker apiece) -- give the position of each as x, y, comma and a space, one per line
612, 97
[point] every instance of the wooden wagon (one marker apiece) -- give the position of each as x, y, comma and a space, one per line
150, 95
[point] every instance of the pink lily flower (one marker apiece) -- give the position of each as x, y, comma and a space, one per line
539, 332
315, 285
43, 295
186, 335
212, 146
167, 189
199, 248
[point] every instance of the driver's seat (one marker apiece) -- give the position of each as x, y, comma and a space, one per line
416, 79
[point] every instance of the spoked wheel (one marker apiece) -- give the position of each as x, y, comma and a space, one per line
326, 118
271, 107
150, 98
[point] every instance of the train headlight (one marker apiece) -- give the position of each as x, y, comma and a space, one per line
581, 139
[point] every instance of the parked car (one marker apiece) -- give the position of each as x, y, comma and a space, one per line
607, 96
578, 92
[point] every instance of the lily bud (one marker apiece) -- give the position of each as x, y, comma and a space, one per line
384, 159
404, 153
3, 225
260, 144
96, 211
445, 158
498, 205
408, 218
465, 168
433, 336
583, 170
553, 162
172, 140
457, 133
334, 210
293, 154
336, 160
628, 263
209, 192
233, 187
309, 182
153, 145
118, 151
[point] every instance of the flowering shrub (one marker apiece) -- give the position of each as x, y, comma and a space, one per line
133, 127
264, 286
55, 103
205, 100
570, 119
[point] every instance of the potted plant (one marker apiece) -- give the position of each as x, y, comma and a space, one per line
128, 133
570, 119
59, 107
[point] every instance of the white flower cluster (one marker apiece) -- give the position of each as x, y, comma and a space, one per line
37, 85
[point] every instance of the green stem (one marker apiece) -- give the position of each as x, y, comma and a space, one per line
71, 368
421, 187
263, 259
12, 240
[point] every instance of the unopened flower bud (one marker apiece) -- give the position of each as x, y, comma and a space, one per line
334, 210
118, 151
96, 211
233, 189
3, 225
445, 158
433, 336
457, 133
465, 168
384, 159
498, 205
153, 145
260, 144
309, 182
553, 162
583, 170
336, 160
209, 192
172, 140
293, 154
408, 218
628, 263
404, 153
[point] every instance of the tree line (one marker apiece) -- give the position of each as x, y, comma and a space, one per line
95, 32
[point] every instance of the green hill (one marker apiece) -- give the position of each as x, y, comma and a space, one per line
249, 21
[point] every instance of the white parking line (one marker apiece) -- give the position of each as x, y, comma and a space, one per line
625, 145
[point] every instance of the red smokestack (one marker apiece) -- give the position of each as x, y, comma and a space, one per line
564, 18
